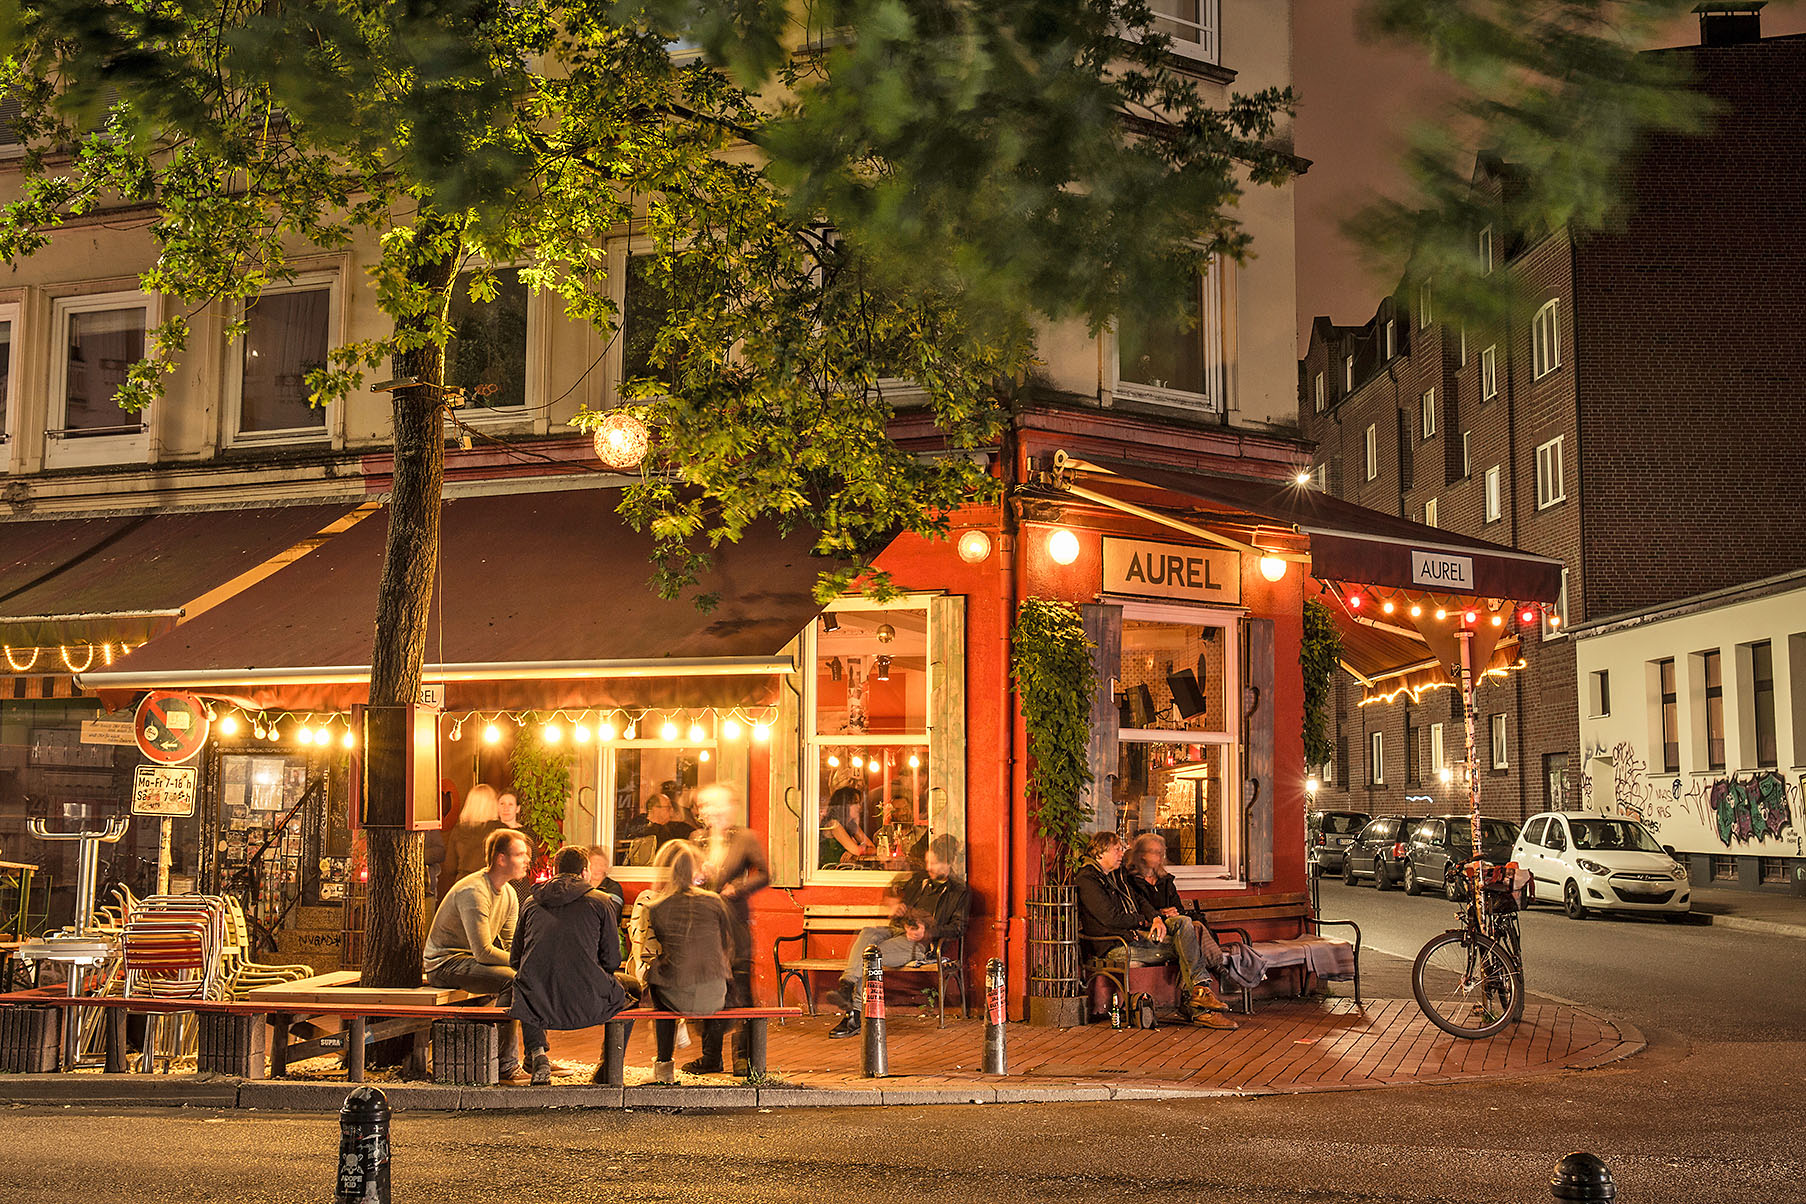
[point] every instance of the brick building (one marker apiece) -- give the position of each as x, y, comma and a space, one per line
1619, 422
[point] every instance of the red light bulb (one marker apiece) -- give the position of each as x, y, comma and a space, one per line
1469, 618
1527, 616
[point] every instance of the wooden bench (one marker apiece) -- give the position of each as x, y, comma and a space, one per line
1229, 920
825, 920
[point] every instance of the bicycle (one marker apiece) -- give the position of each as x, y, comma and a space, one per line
1470, 980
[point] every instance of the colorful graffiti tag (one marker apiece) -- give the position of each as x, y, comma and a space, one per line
1750, 809
1762, 806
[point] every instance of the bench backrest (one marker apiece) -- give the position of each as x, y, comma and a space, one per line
1286, 912
844, 917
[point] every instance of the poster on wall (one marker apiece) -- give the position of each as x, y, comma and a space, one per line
267, 782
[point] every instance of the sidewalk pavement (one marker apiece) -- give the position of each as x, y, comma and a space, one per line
1286, 1046
1751, 911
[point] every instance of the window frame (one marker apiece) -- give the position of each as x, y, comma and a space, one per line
1430, 513
1494, 497
1467, 454
125, 446
1348, 381
1489, 372
1319, 394
1712, 710
330, 428
1483, 247
1545, 339
1376, 758
1438, 750
1668, 715
1761, 727
1391, 344
1501, 758
9, 399
607, 753
1551, 485
1211, 335
1427, 412
536, 387
811, 741
1204, 51
1423, 306
1373, 452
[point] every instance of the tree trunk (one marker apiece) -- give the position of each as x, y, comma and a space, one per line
396, 912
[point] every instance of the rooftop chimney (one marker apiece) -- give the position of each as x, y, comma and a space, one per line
1730, 23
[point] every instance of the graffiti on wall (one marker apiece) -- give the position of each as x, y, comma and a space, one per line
1758, 807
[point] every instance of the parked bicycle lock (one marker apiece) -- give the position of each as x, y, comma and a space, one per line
363, 1174
877, 1060
997, 1060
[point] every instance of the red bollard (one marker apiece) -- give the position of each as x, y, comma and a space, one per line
997, 1059
877, 1059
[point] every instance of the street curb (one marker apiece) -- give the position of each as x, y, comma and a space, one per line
1744, 924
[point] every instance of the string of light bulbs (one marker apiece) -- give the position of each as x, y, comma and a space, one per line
674, 725
67, 653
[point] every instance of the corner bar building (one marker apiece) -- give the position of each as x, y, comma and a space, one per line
1188, 551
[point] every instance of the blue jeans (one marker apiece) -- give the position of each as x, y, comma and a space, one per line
893, 951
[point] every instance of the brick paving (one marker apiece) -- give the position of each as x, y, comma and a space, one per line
1285, 1046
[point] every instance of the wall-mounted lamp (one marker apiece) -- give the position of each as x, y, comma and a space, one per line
1063, 546
1272, 568
974, 546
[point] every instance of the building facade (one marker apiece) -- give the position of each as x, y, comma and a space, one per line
1604, 424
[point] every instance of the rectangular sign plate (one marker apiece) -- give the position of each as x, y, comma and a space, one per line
164, 790
1440, 570
1145, 569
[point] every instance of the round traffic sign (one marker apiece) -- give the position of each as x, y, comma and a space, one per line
171, 728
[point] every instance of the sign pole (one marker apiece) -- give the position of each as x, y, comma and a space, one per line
163, 856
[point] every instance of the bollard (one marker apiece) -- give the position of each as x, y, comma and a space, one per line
877, 1060
997, 1059
363, 1176
1581, 1176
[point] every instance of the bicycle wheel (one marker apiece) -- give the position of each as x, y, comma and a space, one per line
1467, 984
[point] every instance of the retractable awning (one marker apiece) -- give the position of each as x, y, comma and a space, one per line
544, 601
95, 582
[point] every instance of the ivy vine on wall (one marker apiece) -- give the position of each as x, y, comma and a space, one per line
542, 783
1055, 681
1318, 656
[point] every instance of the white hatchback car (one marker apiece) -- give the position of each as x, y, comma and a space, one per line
1598, 863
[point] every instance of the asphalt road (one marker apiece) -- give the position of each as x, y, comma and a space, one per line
1710, 1114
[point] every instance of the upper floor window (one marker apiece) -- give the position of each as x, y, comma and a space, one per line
1489, 373
1467, 454
287, 335
1347, 374
1193, 25
98, 339
1318, 396
1499, 758
8, 318
1549, 487
1178, 359
1373, 452
1545, 341
489, 352
1376, 758
1429, 513
1423, 305
1495, 508
1669, 701
1711, 663
1762, 699
1464, 346
1391, 338
1485, 249
1428, 405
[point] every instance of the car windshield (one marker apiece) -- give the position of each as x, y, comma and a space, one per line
1492, 832
1610, 834
1338, 824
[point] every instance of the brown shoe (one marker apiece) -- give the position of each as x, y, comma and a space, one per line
1214, 1020
1204, 998
517, 1077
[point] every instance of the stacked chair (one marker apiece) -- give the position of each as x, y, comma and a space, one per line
174, 948
243, 974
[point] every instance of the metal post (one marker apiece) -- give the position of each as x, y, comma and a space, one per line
1465, 637
363, 1174
877, 1059
997, 1059
1581, 1176
614, 1053
163, 857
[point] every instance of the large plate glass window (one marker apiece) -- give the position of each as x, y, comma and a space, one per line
871, 803
1177, 736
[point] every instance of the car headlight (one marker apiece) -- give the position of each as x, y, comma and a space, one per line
1591, 867
1680, 872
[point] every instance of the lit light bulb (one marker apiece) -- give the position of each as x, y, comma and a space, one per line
1311, 784
1446, 774
1526, 616
1416, 611
761, 732
974, 546
703, 756
551, 733
1498, 620
492, 733
696, 733
874, 767
1554, 621
730, 729
580, 733
457, 732
1354, 601
350, 740
915, 762
606, 732
275, 736
628, 734
1469, 617
667, 731
833, 761
304, 735
858, 762
1303, 478
257, 729
1272, 568
228, 726
1388, 606
1441, 613
1063, 546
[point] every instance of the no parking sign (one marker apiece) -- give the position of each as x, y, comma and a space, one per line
171, 728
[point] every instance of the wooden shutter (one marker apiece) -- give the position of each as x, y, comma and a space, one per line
947, 718
785, 805
1103, 627
1257, 739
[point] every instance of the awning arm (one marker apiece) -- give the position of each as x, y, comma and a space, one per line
346, 675
1064, 464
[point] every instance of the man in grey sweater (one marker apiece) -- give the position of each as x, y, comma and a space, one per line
468, 945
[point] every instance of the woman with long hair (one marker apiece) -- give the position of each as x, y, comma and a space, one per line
735, 867
480, 815
695, 938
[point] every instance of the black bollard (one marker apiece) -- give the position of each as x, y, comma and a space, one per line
997, 1058
1581, 1176
363, 1176
877, 1060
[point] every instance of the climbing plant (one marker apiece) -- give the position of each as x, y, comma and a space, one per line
1319, 653
542, 783
1055, 682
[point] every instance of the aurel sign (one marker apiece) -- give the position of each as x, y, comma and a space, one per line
1439, 570
1145, 569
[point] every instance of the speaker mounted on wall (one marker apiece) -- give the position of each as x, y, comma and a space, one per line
1188, 697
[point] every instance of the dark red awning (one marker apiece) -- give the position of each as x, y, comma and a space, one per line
544, 601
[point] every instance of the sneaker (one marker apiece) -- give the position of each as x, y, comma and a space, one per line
1214, 1020
704, 1066
513, 1078
848, 1027
661, 1072
542, 1070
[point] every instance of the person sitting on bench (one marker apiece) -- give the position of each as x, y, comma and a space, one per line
1154, 886
695, 937
565, 958
1110, 909
467, 946
927, 904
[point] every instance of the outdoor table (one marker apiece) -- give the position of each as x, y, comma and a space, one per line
300, 1034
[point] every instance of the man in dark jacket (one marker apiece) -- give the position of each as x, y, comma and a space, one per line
565, 955
1110, 909
927, 904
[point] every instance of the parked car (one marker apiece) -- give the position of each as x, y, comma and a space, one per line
1327, 833
1597, 863
1442, 843
1378, 852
